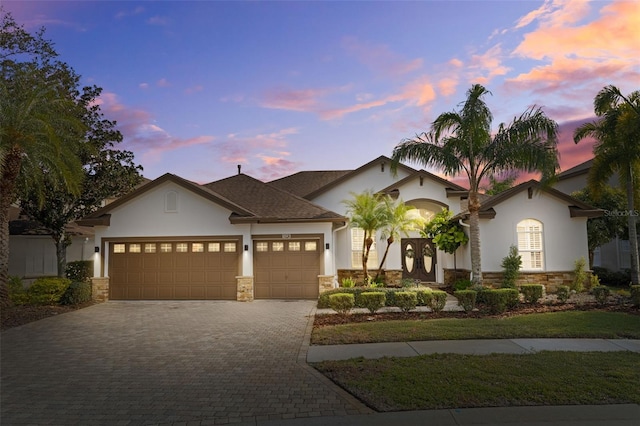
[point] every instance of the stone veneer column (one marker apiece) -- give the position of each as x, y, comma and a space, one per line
325, 283
245, 289
100, 289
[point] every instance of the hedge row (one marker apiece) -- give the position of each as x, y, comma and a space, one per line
49, 291
435, 299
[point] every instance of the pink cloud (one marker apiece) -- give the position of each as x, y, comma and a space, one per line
194, 89
140, 134
163, 82
266, 148
293, 100
276, 167
380, 58
482, 68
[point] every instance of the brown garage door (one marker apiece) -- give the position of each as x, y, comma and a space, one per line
286, 269
166, 270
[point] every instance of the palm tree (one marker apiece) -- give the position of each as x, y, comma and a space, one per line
40, 127
366, 211
397, 223
462, 142
617, 150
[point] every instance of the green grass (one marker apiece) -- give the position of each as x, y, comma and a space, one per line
456, 381
573, 324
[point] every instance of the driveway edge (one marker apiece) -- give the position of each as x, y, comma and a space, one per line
358, 406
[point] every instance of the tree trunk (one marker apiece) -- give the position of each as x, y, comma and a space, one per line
633, 234
10, 171
474, 238
384, 258
368, 241
62, 243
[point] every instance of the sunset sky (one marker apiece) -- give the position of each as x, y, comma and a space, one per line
198, 87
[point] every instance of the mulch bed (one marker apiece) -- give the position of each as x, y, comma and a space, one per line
322, 320
14, 316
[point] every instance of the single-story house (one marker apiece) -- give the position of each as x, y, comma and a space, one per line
239, 238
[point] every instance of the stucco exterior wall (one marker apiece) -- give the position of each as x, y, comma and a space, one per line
564, 238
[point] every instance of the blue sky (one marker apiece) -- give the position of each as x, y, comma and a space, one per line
198, 87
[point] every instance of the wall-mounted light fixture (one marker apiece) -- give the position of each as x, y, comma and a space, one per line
246, 247
96, 249
326, 246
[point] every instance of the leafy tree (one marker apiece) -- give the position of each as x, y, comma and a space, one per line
463, 142
398, 222
446, 233
368, 212
107, 173
511, 265
40, 124
617, 150
601, 230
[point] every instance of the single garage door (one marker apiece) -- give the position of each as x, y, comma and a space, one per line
166, 270
286, 269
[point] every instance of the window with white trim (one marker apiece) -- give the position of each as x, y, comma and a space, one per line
357, 244
531, 244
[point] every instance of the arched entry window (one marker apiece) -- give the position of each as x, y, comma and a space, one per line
531, 244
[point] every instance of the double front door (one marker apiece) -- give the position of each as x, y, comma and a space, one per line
418, 259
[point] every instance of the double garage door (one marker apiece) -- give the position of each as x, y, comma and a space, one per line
195, 270
173, 270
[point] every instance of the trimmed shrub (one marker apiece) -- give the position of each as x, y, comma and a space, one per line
406, 300
438, 300
613, 278
462, 285
499, 300
511, 265
563, 293
601, 293
466, 299
635, 295
342, 303
424, 297
373, 301
47, 291
532, 292
80, 271
17, 292
594, 281
579, 275
77, 293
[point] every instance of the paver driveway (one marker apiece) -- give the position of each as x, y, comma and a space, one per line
206, 362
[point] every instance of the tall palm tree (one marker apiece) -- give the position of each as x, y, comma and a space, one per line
397, 223
617, 150
40, 125
462, 142
366, 211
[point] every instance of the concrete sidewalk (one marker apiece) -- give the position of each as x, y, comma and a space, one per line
569, 415
470, 347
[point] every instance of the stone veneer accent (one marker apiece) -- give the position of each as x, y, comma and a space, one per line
100, 289
392, 277
245, 289
550, 280
325, 283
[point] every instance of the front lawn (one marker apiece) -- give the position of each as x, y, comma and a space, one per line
456, 381
569, 324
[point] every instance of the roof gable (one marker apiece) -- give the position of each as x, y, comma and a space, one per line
381, 161
576, 207
449, 186
580, 169
101, 216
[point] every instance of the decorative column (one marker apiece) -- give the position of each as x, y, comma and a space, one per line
245, 289
100, 289
325, 283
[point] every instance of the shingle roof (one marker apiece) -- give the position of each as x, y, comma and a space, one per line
304, 183
576, 170
269, 203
